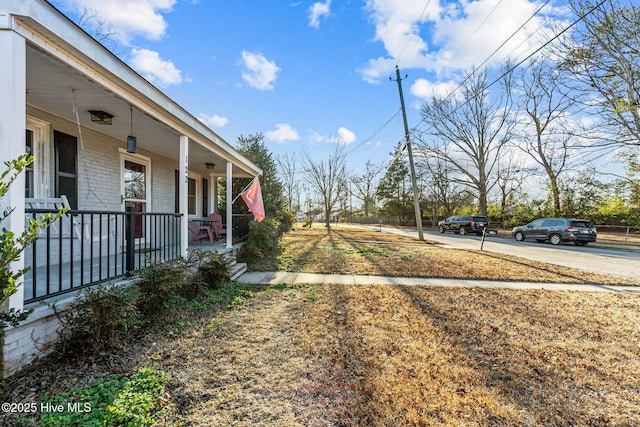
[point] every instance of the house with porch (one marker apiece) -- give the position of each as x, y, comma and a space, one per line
135, 169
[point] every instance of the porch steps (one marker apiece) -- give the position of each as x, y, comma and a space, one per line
236, 269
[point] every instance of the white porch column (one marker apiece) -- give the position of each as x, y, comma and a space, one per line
13, 107
184, 193
213, 194
230, 197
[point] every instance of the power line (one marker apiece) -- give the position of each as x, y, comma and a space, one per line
377, 132
419, 20
510, 69
374, 134
476, 30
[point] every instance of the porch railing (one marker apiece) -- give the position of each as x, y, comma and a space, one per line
240, 224
92, 247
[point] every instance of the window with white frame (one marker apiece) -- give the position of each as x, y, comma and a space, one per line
38, 144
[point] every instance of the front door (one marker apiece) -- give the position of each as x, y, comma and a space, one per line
136, 189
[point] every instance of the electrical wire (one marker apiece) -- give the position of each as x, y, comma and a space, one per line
475, 31
419, 20
374, 134
510, 69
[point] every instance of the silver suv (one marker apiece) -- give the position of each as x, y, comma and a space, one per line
557, 230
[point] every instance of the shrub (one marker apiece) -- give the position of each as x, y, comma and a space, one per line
158, 285
214, 271
286, 219
98, 320
261, 241
205, 270
308, 222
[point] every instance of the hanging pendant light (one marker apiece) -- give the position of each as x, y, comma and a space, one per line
131, 139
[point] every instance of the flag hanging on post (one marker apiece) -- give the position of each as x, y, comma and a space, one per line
252, 196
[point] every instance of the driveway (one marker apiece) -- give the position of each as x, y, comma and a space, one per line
621, 263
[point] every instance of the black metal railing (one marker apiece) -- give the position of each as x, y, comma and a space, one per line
240, 225
84, 248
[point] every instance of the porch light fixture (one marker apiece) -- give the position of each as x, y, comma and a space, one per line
210, 165
131, 140
101, 117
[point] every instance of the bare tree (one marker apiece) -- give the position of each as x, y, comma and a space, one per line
604, 54
511, 175
471, 129
290, 185
365, 185
545, 128
443, 193
327, 178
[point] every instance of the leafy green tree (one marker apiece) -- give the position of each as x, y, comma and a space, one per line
12, 246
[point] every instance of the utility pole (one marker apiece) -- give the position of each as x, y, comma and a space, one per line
416, 201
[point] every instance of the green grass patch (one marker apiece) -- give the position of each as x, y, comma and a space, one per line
138, 400
229, 295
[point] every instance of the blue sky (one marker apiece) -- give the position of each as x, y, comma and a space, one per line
310, 74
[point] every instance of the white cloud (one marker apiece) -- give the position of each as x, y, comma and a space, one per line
213, 121
461, 34
259, 72
344, 137
317, 11
282, 133
155, 69
128, 18
423, 88
316, 137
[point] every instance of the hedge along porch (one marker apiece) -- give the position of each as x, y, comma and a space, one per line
61, 89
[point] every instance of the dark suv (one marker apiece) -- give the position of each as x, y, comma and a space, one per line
463, 224
557, 230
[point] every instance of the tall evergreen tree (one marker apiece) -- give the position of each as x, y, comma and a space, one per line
395, 189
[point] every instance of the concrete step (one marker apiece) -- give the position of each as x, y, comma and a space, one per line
237, 269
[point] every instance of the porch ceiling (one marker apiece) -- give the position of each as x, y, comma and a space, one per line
52, 87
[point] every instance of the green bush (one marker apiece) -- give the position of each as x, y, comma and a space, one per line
158, 286
208, 270
286, 220
261, 241
98, 320
308, 222
214, 271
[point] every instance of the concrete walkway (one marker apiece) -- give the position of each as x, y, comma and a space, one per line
280, 277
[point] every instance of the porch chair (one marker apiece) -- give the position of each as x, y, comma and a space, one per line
197, 235
216, 225
70, 226
60, 228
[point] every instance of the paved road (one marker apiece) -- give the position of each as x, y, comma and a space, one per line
621, 263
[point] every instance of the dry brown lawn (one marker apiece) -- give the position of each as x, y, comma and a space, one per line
362, 251
410, 356
302, 355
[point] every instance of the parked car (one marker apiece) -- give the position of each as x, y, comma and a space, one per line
557, 230
464, 224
